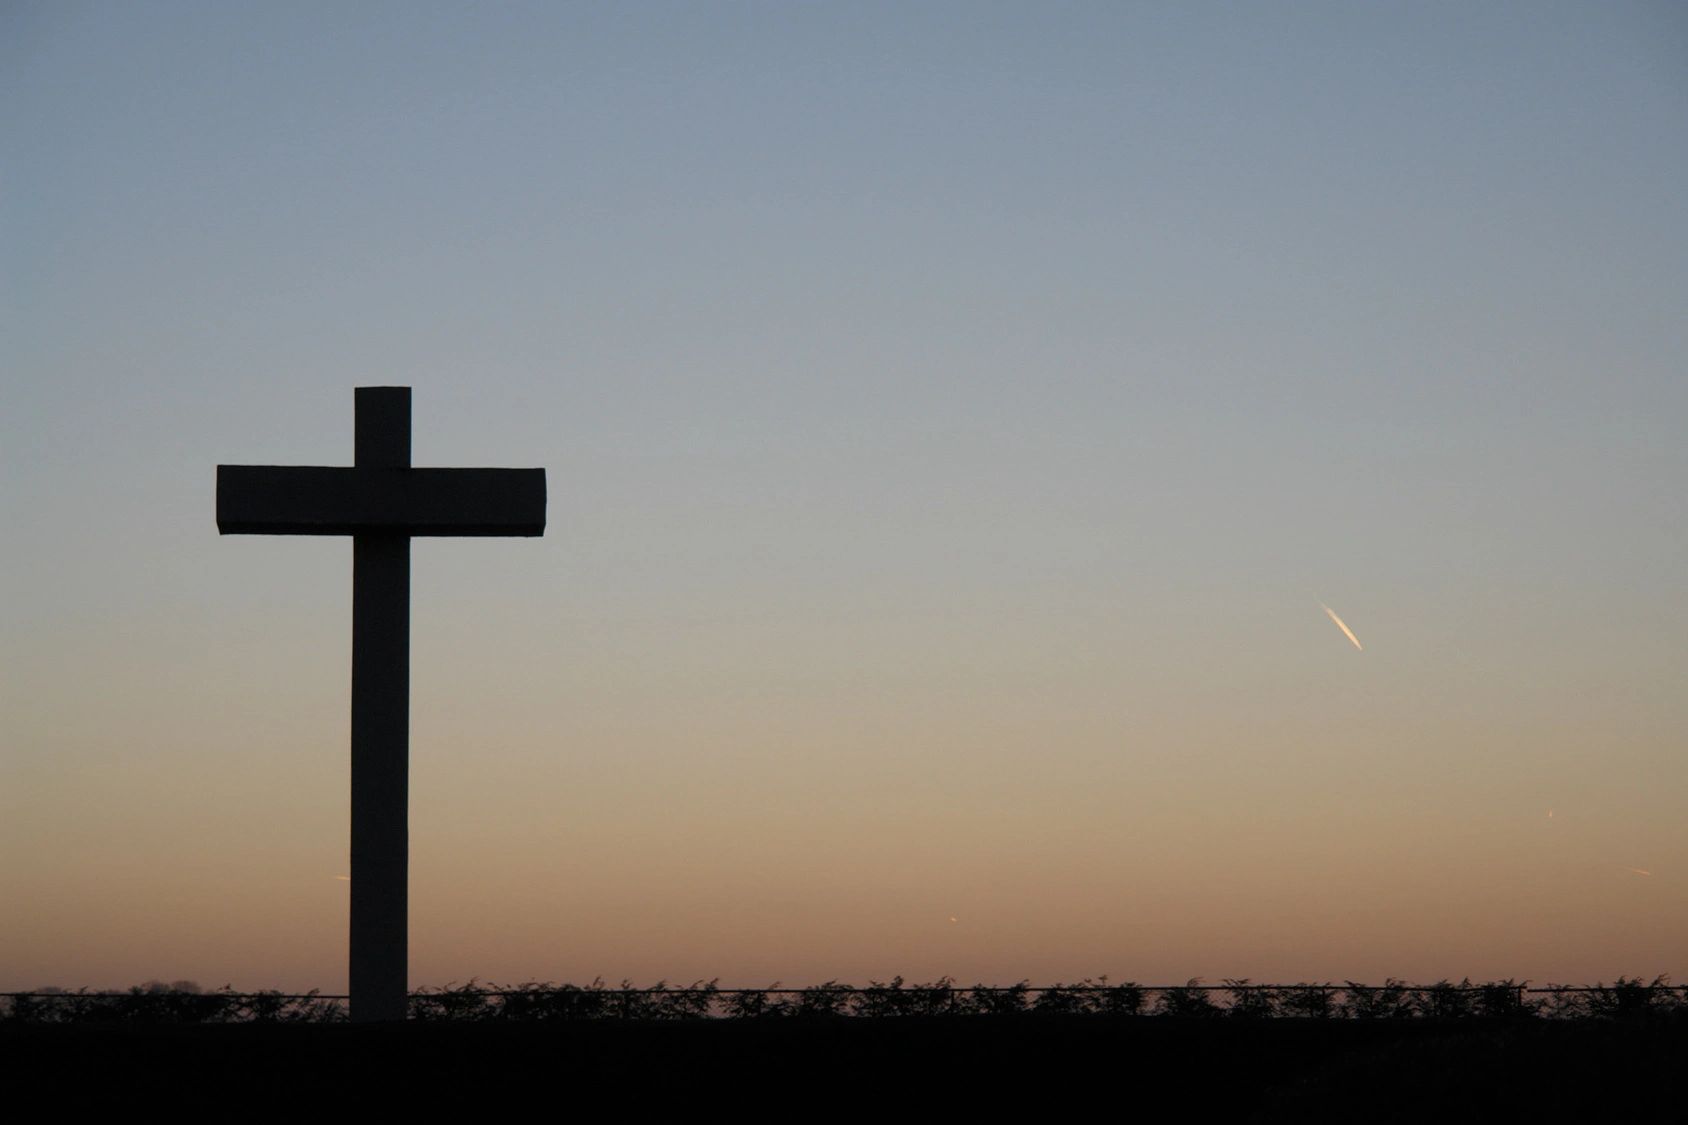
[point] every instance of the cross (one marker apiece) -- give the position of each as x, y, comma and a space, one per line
380, 502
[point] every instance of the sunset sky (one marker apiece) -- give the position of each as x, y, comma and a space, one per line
958, 419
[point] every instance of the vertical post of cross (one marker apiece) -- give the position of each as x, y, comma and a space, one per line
380, 860
381, 502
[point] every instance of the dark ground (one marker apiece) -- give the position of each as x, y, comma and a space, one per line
1236, 1069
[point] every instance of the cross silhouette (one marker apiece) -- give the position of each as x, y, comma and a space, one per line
381, 502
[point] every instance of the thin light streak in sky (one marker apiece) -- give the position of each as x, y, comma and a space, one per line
1340, 624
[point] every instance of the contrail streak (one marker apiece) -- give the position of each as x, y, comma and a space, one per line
1638, 870
1349, 633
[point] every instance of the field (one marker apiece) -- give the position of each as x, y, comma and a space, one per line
1285, 1068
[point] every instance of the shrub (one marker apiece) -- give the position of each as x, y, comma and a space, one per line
1124, 999
1189, 999
828, 999
1627, 999
984, 1000
1065, 999
1251, 1001
755, 1003
465, 1003
1309, 1001
1445, 1000
1390, 1000
1504, 1000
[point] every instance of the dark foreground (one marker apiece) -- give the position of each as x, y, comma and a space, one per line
1281, 1069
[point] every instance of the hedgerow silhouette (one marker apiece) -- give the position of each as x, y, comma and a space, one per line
183, 1002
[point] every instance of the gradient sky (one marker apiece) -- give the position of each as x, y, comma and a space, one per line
956, 416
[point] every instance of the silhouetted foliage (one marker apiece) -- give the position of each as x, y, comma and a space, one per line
184, 1003
984, 1000
897, 999
754, 1003
1503, 1000
1391, 1000
452, 1003
1309, 1001
1628, 999
1444, 1000
1189, 999
1119, 999
828, 999
157, 1002
1251, 1001
1062, 1000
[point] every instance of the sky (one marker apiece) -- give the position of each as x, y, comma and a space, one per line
958, 418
